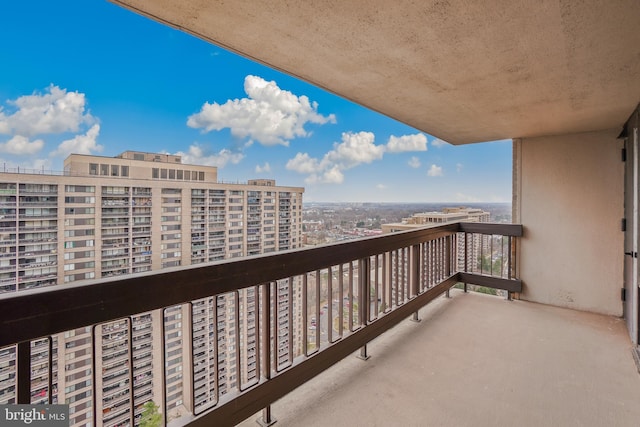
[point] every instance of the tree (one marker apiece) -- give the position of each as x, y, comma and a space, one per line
150, 417
382, 307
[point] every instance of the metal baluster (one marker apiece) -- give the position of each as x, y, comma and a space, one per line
466, 259
376, 280
318, 316
290, 323
329, 304
510, 249
448, 248
305, 319
363, 309
267, 417
415, 276
341, 300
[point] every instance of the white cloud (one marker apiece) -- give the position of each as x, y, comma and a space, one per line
264, 168
355, 149
20, 145
414, 162
459, 167
382, 187
437, 142
268, 115
5, 129
80, 144
303, 163
435, 170
55, 111
333, 176
401, 144
200, 156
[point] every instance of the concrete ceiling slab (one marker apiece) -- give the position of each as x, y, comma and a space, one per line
462, 70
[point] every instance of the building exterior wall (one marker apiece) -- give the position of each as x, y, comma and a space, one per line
568, 195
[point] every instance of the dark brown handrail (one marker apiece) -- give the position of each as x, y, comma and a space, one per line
36, 313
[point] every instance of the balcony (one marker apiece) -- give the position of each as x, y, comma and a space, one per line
141, 212
499, 359
375, 284
479, 360
43, 215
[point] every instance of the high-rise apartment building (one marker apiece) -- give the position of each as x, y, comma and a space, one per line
137, 212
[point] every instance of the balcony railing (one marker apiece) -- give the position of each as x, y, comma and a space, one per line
322, 304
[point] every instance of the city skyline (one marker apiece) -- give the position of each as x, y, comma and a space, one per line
93, 78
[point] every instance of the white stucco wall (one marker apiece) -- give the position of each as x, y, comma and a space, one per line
569, 196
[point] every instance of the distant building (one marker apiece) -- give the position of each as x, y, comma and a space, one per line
447, 215
437, 218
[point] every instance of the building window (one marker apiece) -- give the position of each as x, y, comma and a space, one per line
104, 170
163, 173
154, 173
187, 175
114, 170
124, 170
172, 174
138, 156
93, 169
180, 174
201, 176
194, 176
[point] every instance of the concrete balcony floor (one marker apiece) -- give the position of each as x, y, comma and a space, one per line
478, 360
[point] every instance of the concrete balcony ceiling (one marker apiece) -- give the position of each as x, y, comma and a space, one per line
464, 71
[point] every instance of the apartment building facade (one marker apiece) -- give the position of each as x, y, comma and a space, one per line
133, 213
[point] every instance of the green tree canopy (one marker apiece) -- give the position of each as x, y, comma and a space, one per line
150, 417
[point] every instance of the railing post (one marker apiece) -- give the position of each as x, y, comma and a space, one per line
50, 367
340, 301
363, 298
447, 261
329, 305
466, 258
24, 372
267, 417
132, 407
387, 282
414, 276
305, 315
509, 268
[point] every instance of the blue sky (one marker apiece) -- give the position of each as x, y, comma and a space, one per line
88, 76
